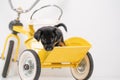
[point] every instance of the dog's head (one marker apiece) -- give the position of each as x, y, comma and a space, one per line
49, 36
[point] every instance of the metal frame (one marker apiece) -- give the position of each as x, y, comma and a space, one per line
61, 11
47, 58
17, 48
20, 10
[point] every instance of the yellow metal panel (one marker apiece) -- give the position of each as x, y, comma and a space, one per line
20, 29
65, 54
77, 41
74, 51
57, 65
29, 32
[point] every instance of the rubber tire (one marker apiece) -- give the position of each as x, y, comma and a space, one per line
8, 59
91, 67
38, 63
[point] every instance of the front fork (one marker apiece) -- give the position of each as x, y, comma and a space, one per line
15, 57
13, 35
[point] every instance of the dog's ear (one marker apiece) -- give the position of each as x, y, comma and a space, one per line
61, 24
37, 35
57, 33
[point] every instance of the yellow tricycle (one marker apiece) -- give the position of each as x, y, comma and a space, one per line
75, 54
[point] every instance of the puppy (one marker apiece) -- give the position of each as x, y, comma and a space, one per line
50, 36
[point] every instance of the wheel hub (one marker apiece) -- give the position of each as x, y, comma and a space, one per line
26, 67
82, 66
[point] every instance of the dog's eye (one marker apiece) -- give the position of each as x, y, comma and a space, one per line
43, 39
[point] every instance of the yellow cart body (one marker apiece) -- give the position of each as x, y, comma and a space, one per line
66, 56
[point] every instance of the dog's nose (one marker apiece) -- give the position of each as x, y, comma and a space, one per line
49, 48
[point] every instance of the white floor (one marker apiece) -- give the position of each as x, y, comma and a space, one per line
59, 78
49, 78
48, 74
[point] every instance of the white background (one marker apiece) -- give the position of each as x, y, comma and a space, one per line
98, 21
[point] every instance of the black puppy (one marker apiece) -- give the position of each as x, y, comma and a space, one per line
50, 36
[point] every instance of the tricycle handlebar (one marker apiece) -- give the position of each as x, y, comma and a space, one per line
20, 10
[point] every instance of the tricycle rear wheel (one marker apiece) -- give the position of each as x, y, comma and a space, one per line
29, 65
84, 69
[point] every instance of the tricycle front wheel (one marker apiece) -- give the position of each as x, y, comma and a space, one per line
29, 65
84, 69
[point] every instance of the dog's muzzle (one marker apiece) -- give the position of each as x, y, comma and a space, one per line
48, 48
